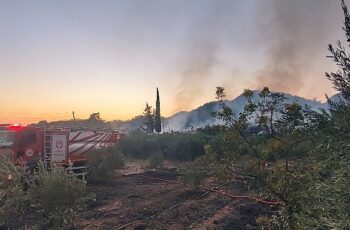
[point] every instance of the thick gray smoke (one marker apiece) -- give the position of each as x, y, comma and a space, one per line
196, 72
295, 33
200, 57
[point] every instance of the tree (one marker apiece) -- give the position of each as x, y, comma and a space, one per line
149, 119
262, 159
341, 78
95, 117
315, 188
220, 94
330, 188
157, 121
95, 121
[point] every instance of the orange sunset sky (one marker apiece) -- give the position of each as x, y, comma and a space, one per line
109, 56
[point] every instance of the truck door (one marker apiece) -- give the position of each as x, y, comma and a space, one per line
28, 147
59, 147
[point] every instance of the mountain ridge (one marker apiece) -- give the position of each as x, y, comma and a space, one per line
200, 116
188, 120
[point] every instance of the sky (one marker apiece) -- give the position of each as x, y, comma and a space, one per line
108, 56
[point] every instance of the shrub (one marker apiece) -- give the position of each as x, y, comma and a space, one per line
44, 199
156, 160
102, 165
14, 203
174, 146
193, 173
56, 195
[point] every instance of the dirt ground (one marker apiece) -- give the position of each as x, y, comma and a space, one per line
136, 202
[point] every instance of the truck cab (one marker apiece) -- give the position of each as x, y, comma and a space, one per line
28, 145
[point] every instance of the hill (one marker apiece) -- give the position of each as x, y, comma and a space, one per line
185, 120
201, 117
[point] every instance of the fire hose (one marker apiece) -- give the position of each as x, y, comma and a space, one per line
254, 198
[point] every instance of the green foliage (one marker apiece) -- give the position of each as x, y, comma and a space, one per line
328, 191
56, 195
300, 157
44, 199
220, 94
149, 119
95, 117
262, 159
157, 118
156, 161
330, 194
102, 165
267, 222
14, 203
173, 146
341, 78
193, 173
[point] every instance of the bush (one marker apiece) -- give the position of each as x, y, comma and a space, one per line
156, 161
174, 146
102, 165
44, 199
56, 195
193, 173
14, 203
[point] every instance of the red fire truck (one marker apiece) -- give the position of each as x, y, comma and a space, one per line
30, 144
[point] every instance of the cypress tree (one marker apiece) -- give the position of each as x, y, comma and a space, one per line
157, 122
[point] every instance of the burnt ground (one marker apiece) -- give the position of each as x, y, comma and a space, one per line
135, 202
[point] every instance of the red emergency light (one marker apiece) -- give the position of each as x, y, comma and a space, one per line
15, 127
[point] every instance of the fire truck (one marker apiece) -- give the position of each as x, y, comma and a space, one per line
28, 145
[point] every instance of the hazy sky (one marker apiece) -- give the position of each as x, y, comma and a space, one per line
109, 56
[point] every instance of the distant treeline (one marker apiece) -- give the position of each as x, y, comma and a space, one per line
173, 146
94, 121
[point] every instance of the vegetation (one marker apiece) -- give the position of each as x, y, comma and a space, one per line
102, 165
44, 199
293, 158
95, 117
94, 121
193, 173
156, 161
152, 119
157, 118
173, 146
292, 154
297, 158
56, 195
14, 202
149, 119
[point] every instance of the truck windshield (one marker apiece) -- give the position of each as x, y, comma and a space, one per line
7, 138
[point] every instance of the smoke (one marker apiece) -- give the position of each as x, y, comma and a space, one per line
196, 72
295, 33
200, 58
284, 42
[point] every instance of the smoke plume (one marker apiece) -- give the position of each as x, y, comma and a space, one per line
196, 72
295, 34
200, 57
284, 42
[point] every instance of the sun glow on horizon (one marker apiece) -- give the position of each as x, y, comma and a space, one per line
109, 56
